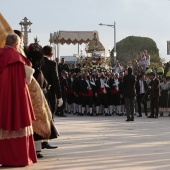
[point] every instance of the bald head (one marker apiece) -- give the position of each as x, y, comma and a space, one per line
12, 40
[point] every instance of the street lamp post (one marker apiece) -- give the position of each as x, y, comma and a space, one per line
113, 26
25, 28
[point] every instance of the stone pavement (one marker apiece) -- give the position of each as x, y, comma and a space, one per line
108, 143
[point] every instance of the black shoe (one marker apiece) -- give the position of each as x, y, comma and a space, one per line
131, 119
48, 146
127, 120
62, 115
139, 116
80, 114
39, 155
113, 112
161, 114
151, 116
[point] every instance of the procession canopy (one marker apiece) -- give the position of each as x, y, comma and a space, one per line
72, 37
5, 29
95, 45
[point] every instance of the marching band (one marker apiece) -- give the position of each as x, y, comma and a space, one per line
102, 94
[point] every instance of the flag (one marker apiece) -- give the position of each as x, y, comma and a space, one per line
5, 29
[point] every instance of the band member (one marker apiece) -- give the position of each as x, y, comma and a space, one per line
117, 95
87, 94
77, 94
141, 89
111, 92
101, 94
154, 95
70, 92
95, 76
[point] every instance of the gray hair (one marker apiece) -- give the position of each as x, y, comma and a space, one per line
12, 39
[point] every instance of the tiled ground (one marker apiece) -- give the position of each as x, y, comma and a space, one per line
108, 143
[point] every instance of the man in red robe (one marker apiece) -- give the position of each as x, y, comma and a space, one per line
16, 112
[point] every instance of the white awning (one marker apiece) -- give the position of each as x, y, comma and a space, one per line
72, 37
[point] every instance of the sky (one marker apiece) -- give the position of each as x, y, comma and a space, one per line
144, 18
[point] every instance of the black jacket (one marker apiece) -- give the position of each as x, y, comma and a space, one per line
137, 86
129, 86
49, 70
155, 89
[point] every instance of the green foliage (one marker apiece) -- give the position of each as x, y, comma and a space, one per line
129, 48
167, 66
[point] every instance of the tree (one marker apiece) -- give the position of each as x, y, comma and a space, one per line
130, 47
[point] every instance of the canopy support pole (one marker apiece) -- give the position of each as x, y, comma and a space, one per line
78, 49
58, 54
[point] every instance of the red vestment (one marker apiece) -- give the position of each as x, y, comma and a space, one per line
16, 112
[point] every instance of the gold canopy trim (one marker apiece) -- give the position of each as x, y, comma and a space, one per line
72, 37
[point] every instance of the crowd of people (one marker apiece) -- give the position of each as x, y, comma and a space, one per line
34, 89
107, 94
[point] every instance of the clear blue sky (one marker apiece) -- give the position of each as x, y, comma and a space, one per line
145, 18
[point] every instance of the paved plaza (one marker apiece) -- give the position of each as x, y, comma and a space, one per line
108, 143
